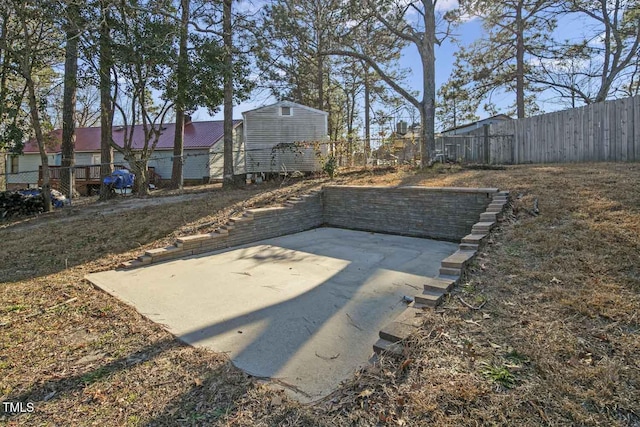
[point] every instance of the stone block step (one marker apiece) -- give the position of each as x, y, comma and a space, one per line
495, 209
468, 247
488, 216
429, 299
383, 346
458, 259
411, 316
447, 271
474, 238
396, 331
439, 285
239, 219
454, 279
130, 264
162, 253
482, 227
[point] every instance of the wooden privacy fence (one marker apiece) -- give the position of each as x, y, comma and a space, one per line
606, 131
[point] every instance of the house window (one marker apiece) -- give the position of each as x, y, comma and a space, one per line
285, 111
14, 164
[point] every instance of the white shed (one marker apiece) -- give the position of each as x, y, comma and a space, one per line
285, 137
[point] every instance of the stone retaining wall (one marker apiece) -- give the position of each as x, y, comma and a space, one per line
435, 213
297, 215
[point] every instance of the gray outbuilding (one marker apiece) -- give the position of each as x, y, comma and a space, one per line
285, 137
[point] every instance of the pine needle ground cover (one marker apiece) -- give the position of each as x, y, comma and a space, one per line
556, 341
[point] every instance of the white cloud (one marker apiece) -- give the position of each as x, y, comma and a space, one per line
446, 5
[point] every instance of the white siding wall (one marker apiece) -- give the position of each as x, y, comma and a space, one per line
216, 156
28, 165
266, 127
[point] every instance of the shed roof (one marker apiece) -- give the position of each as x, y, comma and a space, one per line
478, 123
287, 104
197, 135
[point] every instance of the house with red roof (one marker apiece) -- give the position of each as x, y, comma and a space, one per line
203, 153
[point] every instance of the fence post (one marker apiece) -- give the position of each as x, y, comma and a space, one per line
71, 172
486, 144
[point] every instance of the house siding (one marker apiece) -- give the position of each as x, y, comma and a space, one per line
216, 156
28, 166
265, 128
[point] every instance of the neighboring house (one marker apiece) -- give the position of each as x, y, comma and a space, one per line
405, 142
475, 128
203, 153
285, 137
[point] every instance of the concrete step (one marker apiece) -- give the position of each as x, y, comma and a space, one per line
458, 259
396, 331
428, 298
439, 285
448, 271
388, 347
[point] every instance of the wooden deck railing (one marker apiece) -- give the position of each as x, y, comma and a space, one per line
91, 174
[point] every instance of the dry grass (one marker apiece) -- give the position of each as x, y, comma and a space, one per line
557, 342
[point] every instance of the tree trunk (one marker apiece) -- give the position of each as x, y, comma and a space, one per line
4, 65
67, 176
520, 111
367, 117
178, 141
139, 167
106, 108
228, 95
35, 119
428, 104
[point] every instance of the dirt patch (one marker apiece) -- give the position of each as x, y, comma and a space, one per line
555, 343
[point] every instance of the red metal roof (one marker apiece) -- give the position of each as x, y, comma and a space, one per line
196, 135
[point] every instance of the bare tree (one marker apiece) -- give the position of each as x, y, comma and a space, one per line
395, 18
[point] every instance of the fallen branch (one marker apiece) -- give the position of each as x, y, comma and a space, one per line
70, 300
471, 306
352, 322
327, 357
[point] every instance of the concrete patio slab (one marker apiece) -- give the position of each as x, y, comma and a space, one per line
304, 309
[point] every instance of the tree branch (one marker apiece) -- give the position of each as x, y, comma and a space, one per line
395, 86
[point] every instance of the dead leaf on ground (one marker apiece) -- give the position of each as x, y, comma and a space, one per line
365, 393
